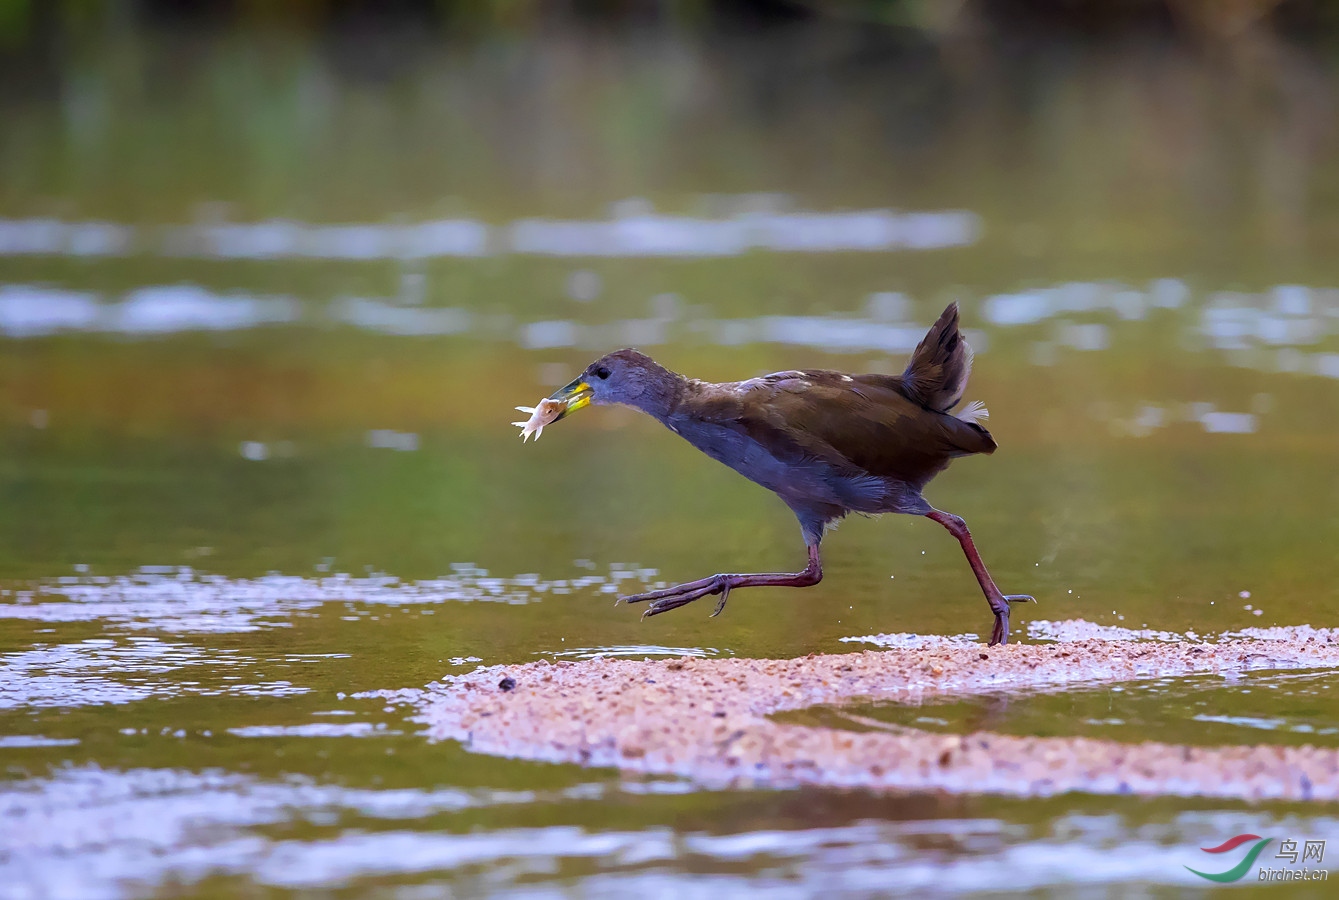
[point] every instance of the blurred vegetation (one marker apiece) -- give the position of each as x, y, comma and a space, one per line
1115, 119
24, 21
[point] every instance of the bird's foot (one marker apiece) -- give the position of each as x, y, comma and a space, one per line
1000, 633
665, 599
720, 604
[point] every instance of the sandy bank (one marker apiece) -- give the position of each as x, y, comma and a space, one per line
707, 719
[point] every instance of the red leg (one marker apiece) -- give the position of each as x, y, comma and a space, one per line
669, 598
999, 603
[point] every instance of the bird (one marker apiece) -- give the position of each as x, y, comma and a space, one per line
825, 442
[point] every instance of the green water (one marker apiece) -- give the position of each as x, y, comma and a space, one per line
304, 436
1286, 707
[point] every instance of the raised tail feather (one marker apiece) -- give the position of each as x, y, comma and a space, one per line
937, 374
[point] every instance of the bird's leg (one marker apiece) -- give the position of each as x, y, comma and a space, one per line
669, 598
999, 603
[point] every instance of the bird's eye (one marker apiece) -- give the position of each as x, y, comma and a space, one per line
602, 373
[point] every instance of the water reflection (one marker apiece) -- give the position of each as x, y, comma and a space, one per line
148, 826
26, 741
1283, 329
179, 600
387, 439
906, 641
1080, 630
1071, 630
94, 832
388, 318
84, 673
315, 730
29, 311
632, 651
1031, 307
634, 233
1240, 708
1150, 418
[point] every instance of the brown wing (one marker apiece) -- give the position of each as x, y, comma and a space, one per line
857, 424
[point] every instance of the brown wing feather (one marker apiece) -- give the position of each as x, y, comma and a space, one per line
857, 424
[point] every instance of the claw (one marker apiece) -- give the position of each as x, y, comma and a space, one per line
667, 598
720, 604
1000, 633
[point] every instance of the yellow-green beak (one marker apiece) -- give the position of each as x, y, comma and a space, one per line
576, 394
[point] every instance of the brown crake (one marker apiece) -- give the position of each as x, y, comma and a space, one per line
825, 442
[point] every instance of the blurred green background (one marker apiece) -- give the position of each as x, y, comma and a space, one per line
279, 231
273, 276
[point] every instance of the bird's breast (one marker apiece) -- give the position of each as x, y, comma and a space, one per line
807, 482
733, 448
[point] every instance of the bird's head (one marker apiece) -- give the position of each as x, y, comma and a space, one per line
624, 376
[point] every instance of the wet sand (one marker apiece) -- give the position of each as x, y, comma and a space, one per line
707, 719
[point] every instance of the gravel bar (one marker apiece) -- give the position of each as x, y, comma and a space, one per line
707, 719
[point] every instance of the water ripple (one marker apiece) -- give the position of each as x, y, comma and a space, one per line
180, 600
80, 673
96, 833
630, 651
636, 232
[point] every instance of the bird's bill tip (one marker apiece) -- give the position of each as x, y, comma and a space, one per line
575, 394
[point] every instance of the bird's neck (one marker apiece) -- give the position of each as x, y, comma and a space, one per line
662, 395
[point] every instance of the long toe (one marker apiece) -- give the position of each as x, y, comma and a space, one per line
683, 598
665, 604
671, 591
1000, 633
651, 595
1020, 598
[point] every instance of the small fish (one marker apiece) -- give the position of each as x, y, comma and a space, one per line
543, 414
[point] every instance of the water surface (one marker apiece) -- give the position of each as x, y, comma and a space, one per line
264, 321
